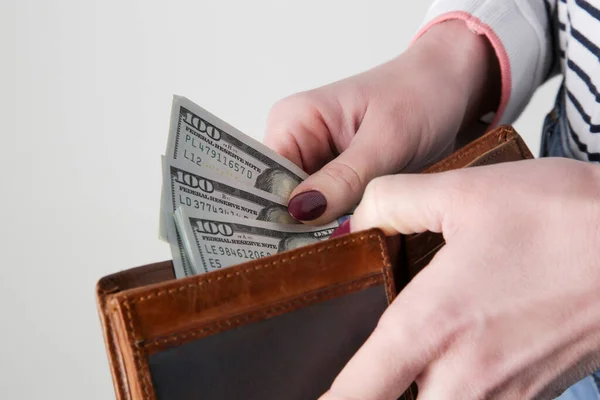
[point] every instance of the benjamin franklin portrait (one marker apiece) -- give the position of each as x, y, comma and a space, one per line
296, 241
278, 214
277, 181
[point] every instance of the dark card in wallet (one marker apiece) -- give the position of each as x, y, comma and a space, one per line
280, 327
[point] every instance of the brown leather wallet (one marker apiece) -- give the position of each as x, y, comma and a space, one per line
280, 327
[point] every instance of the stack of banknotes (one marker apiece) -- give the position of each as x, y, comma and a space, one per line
224, 195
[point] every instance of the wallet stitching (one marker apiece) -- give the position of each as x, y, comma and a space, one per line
113, 351
120, 378
136, 351
272, 265
387, 278
112, 348
274, 310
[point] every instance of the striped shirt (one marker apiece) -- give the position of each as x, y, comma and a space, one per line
535, 40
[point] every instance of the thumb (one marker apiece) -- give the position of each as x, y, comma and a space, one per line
407, 203
397, 351
333, 190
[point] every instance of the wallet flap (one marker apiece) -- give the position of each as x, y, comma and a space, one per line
165, 312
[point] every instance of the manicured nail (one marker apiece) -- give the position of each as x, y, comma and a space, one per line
307, 206
341, 230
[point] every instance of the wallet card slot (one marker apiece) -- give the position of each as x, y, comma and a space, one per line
474, 150
484, 150
509, 151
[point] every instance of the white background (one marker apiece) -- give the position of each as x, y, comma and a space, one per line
85, 93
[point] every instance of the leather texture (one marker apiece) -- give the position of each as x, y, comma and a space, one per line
294, 356
153, 323
149, 319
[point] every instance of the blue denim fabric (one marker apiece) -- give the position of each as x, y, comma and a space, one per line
554, 132
554, 144
585, 389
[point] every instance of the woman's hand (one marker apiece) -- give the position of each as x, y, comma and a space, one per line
510, 307
399, 116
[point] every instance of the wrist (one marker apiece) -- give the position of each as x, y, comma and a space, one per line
463, 63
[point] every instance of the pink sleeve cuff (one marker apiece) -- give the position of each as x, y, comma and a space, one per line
482, 29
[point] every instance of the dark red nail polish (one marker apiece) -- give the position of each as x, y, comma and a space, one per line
307, 206
341, 230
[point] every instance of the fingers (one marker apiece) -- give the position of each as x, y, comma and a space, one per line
339, 185
312, 128
333, 190
308, 129
297, 129
408, 204
415, 331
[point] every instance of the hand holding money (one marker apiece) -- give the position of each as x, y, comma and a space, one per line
224, 197
398, 116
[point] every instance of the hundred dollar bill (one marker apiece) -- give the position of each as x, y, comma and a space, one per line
200, 139
206, 191
215, 241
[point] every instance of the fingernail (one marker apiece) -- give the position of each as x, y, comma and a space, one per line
341, 230
307, 206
